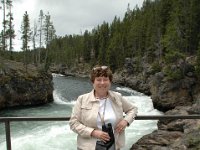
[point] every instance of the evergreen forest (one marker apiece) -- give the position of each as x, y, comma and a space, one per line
162, 31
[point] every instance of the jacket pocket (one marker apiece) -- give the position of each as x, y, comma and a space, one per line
86, 114
86, 107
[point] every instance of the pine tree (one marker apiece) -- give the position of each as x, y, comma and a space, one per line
10, 32
115, 45
87, 46
4, 26
41, 17
34, 36
26, 37
49, 33
104, 40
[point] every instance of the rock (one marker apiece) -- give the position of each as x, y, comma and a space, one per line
196, 93
173, 134
24, 88
195, 109
173, 97
167, 95
134, 82
189, 141
157, 140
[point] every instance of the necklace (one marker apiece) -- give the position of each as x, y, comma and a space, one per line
102, 117
101, 97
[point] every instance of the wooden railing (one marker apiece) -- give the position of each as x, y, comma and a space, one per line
7, 120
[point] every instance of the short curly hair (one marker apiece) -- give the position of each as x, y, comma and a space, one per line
101, 71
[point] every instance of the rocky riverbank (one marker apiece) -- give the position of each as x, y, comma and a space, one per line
19, 87
166, 94
178, 134
173, 97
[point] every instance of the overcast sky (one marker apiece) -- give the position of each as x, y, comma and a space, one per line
70, 16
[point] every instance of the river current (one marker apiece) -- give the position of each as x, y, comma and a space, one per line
57, 135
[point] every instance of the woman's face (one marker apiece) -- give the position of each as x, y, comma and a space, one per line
101, 85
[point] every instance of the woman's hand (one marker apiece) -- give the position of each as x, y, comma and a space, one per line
100, 135
121, 126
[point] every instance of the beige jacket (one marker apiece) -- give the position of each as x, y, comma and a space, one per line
84, 118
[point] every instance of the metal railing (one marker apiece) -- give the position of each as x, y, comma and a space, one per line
7, 121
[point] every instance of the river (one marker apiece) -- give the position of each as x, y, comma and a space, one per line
57, 135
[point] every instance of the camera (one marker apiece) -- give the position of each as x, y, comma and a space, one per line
109, 145
108, 128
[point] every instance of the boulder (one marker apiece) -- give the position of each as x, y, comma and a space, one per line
173, 134
21, 87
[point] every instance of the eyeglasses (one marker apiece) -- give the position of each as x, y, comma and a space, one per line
100, 67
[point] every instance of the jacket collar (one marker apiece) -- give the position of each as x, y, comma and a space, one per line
110, 96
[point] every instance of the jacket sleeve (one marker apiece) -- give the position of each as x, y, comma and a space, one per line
75, 121
130, 110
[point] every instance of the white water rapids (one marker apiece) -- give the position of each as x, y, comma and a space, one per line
57, 135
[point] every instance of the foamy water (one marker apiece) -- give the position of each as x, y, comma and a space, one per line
58, 136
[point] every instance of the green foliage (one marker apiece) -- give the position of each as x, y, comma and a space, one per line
173, 73
104, 40
166, 29
87, 46
197, 67
26, 32
156, 68
181, 29
172, 56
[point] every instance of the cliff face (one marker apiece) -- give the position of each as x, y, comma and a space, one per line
173, 97
166, 94
19, 87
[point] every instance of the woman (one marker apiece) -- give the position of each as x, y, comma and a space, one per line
100, 107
